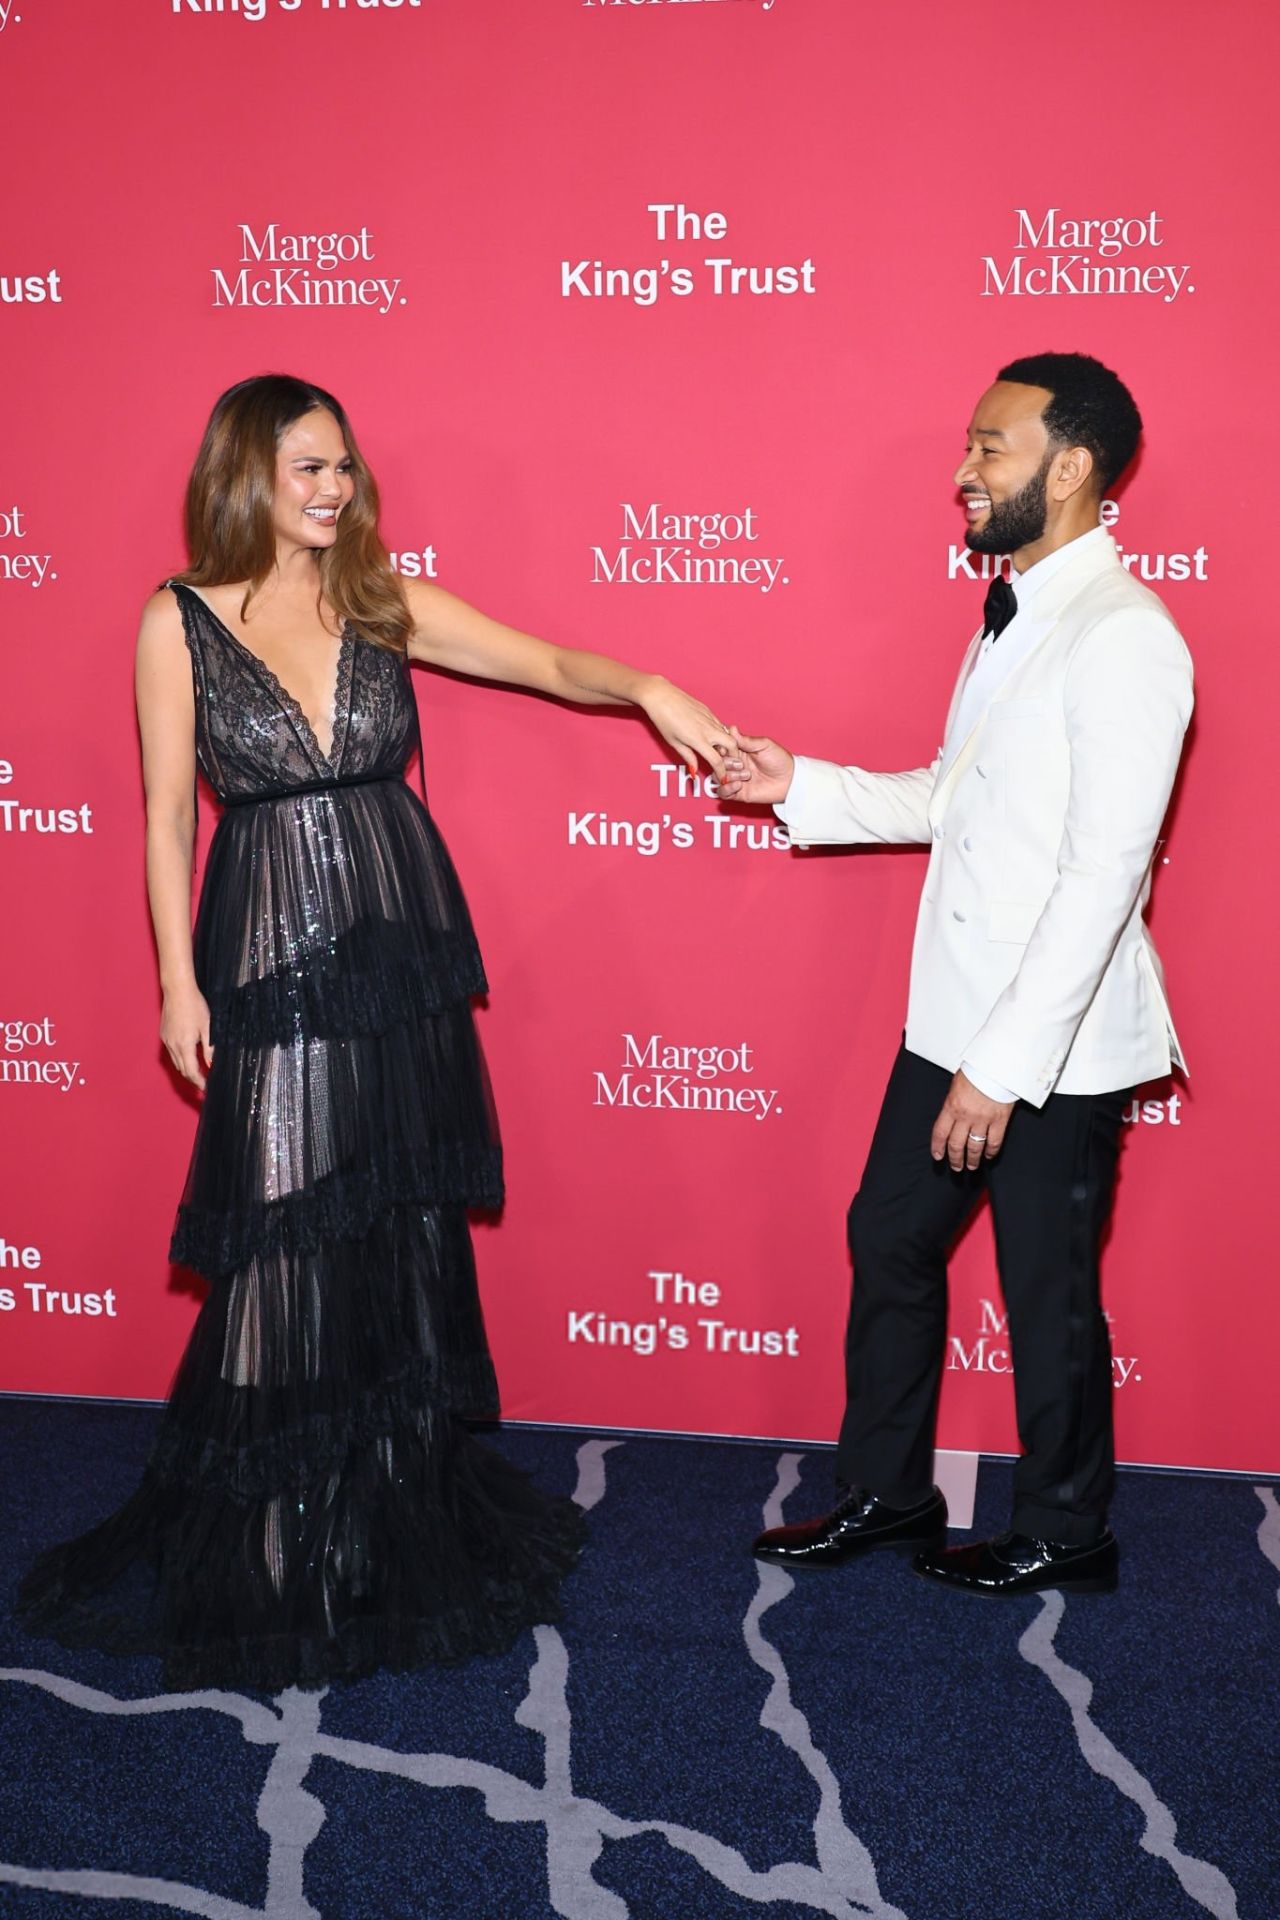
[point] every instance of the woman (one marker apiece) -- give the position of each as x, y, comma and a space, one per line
314, 1506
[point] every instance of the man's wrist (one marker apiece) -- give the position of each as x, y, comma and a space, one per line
795, 786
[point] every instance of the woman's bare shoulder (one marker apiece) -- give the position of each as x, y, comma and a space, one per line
160, 628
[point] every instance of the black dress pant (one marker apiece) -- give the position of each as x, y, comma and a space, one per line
1051, 1189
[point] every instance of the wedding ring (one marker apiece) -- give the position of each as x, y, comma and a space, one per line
977, 1136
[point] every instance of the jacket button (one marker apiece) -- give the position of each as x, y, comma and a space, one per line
956, 914
937, 833
980, 771
968, 844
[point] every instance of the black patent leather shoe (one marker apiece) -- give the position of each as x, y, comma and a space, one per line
1015, 1563
859, 1522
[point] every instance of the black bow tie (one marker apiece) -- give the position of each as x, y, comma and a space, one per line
999, 607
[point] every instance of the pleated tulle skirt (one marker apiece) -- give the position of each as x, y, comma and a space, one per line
315, 1505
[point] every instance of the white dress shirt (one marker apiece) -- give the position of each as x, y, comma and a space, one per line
995, 662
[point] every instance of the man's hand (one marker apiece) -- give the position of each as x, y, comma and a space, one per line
765, 775
970, 1128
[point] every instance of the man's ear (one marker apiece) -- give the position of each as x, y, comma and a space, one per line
1073, 469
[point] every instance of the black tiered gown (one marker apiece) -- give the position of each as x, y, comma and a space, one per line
314, 1505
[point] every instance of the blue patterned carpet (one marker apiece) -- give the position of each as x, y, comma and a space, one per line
705, 1737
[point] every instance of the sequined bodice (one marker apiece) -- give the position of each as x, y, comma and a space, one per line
252, 737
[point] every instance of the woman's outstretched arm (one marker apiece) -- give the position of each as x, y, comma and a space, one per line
450, 633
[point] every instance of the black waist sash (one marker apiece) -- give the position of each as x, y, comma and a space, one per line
332, 785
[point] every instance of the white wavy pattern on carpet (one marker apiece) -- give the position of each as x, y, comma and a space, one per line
842, 1858
1202, 1882
842, 1885
289, 1815
1269, 1527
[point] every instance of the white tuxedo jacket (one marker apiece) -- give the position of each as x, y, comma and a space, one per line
1032, 960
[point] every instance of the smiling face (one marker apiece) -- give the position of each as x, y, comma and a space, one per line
1006, 468
313, 483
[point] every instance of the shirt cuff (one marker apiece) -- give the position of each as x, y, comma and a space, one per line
985, 1084
800, 781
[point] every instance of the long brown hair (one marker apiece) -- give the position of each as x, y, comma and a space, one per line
230, 497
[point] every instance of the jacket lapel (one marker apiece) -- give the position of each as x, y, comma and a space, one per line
1050, 605
962, 680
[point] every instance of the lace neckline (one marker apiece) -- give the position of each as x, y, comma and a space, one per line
328, 761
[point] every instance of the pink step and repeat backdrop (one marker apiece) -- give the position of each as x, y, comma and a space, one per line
660, 322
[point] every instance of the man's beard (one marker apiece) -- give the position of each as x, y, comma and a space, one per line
1016, 522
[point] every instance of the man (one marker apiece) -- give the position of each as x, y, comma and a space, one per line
1036, 1001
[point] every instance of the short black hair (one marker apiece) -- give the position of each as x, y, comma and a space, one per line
1091, 407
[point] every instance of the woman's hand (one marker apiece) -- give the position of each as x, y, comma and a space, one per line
184, 1030
689, 727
